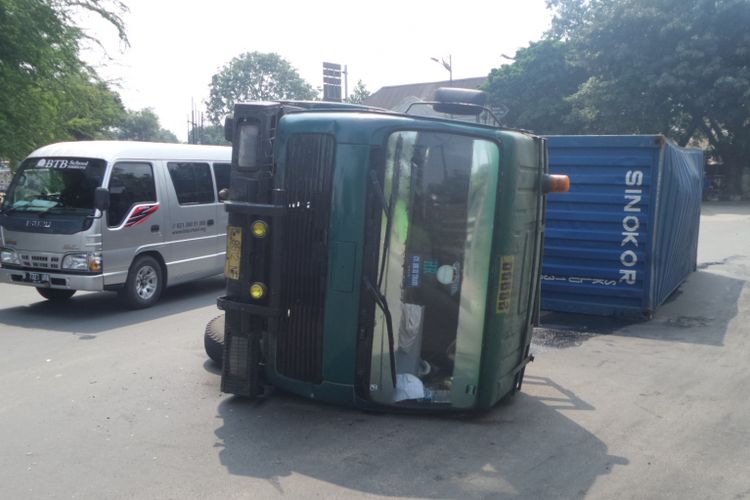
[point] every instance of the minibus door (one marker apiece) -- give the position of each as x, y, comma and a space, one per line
133, 220
192, 229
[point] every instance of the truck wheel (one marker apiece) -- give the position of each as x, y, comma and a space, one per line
213, 339
144, 284
55, 294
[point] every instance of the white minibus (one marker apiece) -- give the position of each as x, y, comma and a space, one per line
132, 217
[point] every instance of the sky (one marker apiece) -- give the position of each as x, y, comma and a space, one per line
176, 46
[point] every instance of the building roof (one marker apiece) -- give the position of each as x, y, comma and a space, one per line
398, 97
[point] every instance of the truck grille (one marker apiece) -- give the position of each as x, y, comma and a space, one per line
308, 181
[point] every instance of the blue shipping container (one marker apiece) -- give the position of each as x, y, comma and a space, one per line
626, 235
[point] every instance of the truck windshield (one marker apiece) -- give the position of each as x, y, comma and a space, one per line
435, 263
55, 185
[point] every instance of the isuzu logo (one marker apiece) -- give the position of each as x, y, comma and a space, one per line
39, 223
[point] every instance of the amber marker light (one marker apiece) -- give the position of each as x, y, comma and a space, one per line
556, 183
95, 262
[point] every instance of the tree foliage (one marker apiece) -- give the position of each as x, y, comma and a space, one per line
46, 92
142, 125
534, 89
359, 94
647, 66
254, 76
208, 134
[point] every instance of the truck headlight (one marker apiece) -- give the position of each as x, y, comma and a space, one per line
259, 228
8, 256
257, 290
76, 262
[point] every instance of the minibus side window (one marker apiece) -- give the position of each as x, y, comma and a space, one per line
130, 184
221, 172
192, 182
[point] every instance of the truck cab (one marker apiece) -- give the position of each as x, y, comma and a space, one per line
381, 260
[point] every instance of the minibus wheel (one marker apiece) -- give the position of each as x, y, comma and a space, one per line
213, 339
144, 284
55, 294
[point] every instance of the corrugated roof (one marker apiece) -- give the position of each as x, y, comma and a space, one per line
398, 97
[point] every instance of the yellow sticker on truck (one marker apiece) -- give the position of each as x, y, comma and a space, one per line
505, 288
234, 252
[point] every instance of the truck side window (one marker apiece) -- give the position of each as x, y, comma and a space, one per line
131, 183
221, 172
192, 182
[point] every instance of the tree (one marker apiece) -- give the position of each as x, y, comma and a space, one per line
89, 107
46, 92
535, 87
359, 94
208, 134
254, 76
143, 125
681, 69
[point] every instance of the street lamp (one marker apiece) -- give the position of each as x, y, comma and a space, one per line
447, 65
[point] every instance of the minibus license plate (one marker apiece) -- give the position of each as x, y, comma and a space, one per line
37, 278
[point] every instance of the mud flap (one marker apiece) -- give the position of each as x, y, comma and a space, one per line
240, 372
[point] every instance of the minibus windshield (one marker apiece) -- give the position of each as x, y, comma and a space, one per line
55, 186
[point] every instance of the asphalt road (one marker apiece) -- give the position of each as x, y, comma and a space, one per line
98, 402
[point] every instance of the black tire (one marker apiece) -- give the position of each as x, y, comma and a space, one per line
213, 339
55, 294
145, 282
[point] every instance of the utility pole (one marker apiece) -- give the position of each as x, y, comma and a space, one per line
447, 65
346, 82
196, 125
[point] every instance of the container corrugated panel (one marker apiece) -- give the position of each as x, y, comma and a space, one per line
626, 235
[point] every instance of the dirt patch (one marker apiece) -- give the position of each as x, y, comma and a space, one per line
559, 338
688, 321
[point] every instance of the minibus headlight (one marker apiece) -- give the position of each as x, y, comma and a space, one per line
76, 262
8, 256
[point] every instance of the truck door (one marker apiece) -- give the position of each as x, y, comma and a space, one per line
134, 218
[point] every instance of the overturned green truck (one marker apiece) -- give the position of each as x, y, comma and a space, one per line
381, 260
